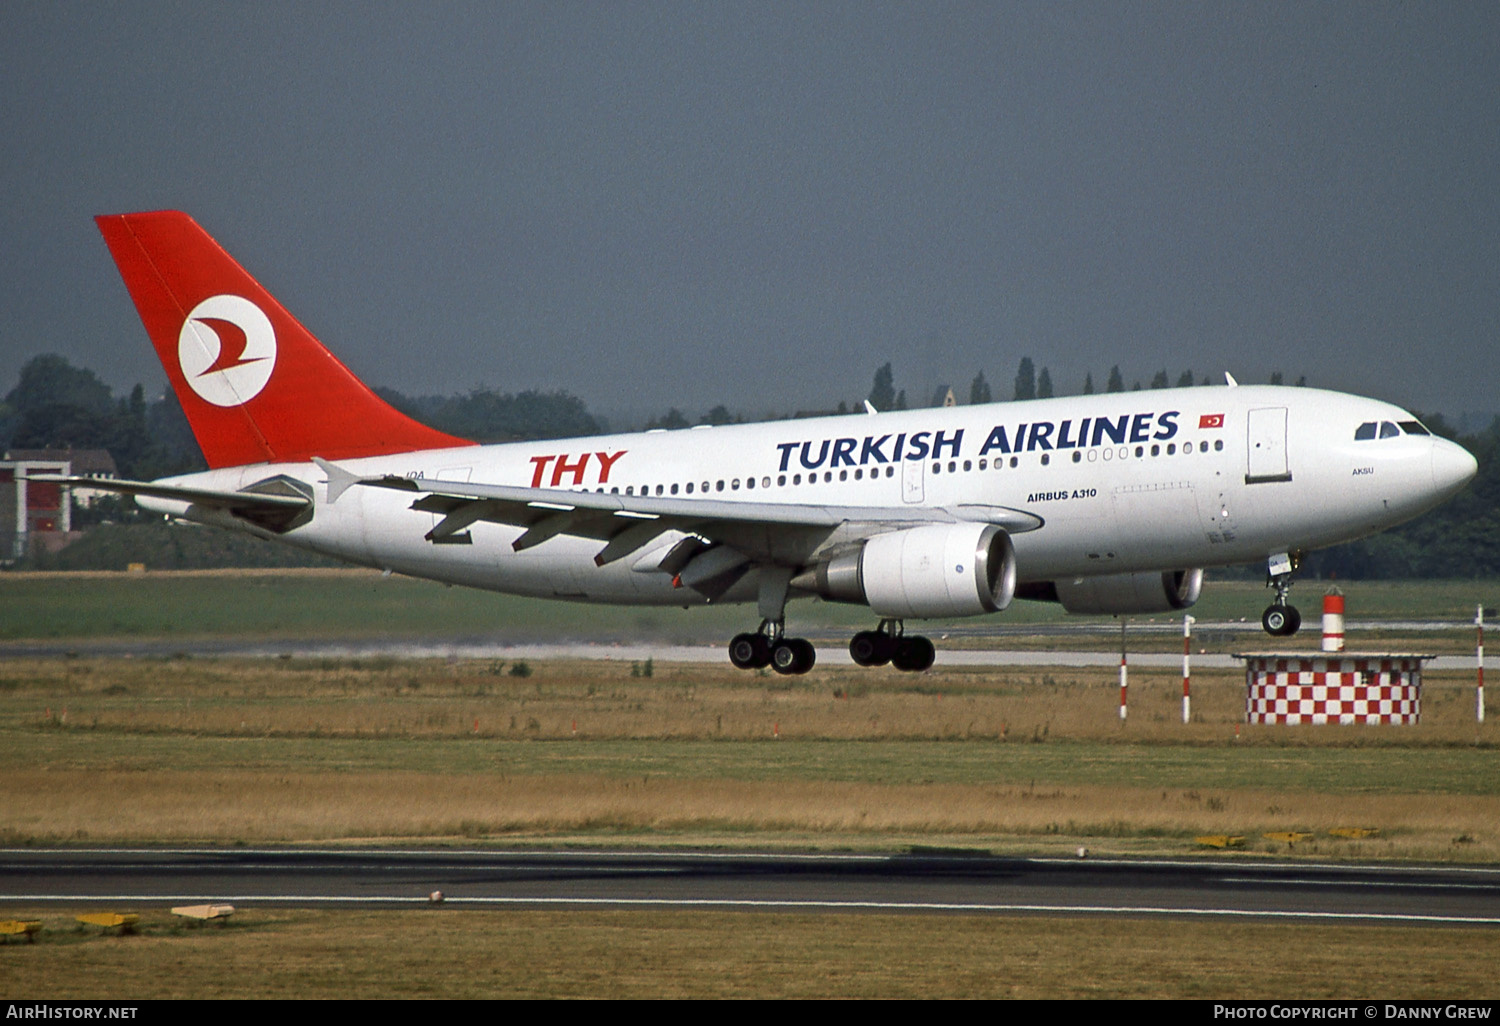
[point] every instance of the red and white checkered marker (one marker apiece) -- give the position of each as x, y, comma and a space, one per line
1334, 690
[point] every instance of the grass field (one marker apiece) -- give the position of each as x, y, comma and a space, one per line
559, 752
446, 953
362, 604
288, 751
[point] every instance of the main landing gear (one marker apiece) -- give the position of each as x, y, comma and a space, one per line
888, 644
1281, 619
769, 647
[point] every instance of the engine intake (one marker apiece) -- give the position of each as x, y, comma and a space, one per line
923, 572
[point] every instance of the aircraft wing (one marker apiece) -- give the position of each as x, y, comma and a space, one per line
276, 504
767, 531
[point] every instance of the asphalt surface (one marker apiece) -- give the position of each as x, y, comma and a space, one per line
832, 646
917, 882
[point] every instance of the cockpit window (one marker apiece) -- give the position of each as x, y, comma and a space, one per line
1413, 427
1388, 430
1365, 431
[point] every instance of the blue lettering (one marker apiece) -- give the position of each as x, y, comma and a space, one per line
843, 452
787, 448
822, 455
900, 444
996, 440
1140, 427
1166, 426
1116, 431
918, 446
1063, 441
938, 442
872, 449
1040, 432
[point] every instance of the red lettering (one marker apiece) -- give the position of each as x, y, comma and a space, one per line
607, 461
541, 464
562, 466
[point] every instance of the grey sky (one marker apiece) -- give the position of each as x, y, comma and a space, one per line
687, 204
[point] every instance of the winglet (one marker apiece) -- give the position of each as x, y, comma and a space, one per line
1229, 380
339, 479
870, 408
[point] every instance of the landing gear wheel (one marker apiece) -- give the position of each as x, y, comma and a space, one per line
750, 651
793, 656
871, 648
914, 654
1281, 621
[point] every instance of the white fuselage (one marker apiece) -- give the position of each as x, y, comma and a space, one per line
1139, 481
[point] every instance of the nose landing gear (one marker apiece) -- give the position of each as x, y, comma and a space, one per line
1281, 619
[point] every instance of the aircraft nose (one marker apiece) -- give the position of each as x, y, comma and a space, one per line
1452, 466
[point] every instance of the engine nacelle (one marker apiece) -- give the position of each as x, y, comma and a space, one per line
1147, 592
924, 572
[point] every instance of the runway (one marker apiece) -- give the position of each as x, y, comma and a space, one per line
832, 647
915, 882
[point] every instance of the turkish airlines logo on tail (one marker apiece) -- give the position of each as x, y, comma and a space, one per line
227, 350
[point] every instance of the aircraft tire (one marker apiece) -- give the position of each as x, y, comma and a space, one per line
750, 651
1281, 621
871, 648
793, 656
914, 654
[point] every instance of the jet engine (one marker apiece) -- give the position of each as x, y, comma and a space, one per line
923, 572
1147, 592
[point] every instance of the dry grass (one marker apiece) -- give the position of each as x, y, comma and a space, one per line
384, 697
450, 953
52, 806
224, 751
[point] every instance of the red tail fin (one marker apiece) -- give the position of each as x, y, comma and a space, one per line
255, 384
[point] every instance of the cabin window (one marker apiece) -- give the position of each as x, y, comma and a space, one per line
1388, 430
1413, 427
1365, 431
1077, 456
1046, 459
1219, 445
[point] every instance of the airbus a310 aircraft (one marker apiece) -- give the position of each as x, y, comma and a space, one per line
1107, 504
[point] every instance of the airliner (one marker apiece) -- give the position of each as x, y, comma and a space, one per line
1106, 504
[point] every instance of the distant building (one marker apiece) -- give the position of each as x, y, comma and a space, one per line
40, 512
